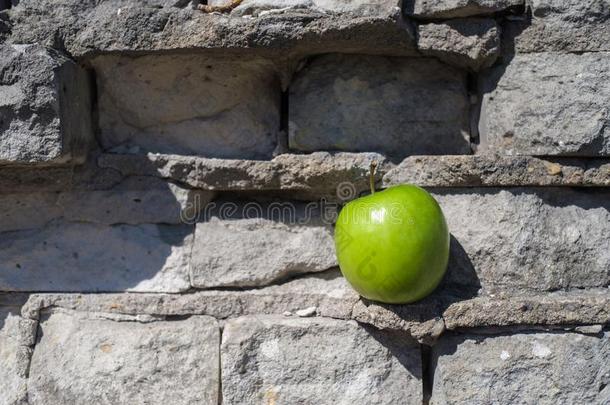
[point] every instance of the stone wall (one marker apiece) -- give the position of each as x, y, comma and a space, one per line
169, 180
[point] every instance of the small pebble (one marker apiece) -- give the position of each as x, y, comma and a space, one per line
553, 169
287, 313
303, 313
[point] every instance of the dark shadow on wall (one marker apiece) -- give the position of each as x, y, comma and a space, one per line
77, 239
10, 305
402, 347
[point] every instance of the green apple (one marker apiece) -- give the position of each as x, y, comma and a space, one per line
393, 245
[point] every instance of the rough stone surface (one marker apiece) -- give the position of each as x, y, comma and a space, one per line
330, 294
504, 171
422, 320
396, 106
17, 335
547, 104
188, 104
528, 239
540, 368
327, 291
136, 200
86, 28
551, 309
473, 43
84, 358
375, 8
457, 8
321, 174
316, 360
258, 244
90, 257
562, 26
44, 107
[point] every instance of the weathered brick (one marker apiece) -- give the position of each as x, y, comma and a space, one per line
90, 358
188, 104
540, 368
547, 104
254, 244
561, 26
473, 43
317, 360
45, 107
396, 106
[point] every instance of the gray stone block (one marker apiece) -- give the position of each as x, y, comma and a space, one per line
252, 244
316, 360
457, 8
528, 239
562, 26
473, 43
188, 104
547, 104
90, 257
17, 335
524, 368
87, 358
45, 107
396, 106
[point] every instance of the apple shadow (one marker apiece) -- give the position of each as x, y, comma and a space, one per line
408, 355
461, 281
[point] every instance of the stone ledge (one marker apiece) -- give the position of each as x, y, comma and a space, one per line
498, 171
330, 296
317, 174
553, 309
137, 26
327, 291
320, 173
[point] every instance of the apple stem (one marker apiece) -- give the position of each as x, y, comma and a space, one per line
373, 169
